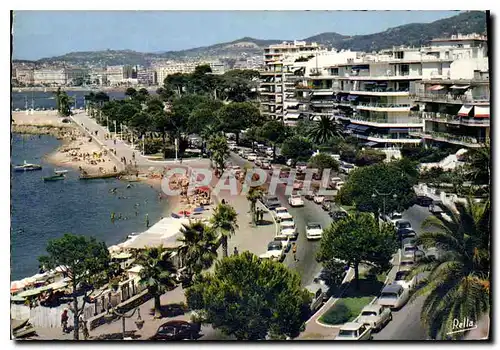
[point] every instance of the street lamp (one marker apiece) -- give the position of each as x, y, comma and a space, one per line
112, 312
384, 196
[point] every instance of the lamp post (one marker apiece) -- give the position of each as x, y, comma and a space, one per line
384, 196
112, 312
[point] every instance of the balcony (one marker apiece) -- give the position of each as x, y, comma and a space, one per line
384, 107
322, 103
448, 98
466, 141
386, 138
452, 119
381, 92
403, 122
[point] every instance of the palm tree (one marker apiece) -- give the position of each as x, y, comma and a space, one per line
324, 130
198, 249
459, 280
157, 273
219, 152
254, 194
224, 220
479, 164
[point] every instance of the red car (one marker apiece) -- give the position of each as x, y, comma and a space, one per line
176, 330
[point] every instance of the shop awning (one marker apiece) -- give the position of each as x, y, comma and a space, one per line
436, 88
462, 87
322, 93
465, 110
481, 112
292, 115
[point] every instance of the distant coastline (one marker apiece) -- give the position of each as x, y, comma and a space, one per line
81, 88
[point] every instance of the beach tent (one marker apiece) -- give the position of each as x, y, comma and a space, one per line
165, 232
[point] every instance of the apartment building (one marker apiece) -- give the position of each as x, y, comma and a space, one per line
49, 77
277, 93
24, 76
373, 95
115, 75
456, 109
166, 69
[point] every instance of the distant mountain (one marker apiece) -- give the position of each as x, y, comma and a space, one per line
415, 34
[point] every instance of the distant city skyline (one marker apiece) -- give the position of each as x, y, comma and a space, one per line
39, 34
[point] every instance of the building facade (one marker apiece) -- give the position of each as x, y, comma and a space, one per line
24, 76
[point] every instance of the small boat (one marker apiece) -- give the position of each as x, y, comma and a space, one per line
99, 176
27, 167
60, 171
54, 177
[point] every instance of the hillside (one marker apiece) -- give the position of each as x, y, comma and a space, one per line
414, 34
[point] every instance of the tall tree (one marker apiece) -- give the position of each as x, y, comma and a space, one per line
224, 220
84, 260
358, 239
324, 130
198, 248
322, 161
238, 116
459, 280
157, 273
297, 148
254, 194
275, 132
219, 152
131, 92
251, 298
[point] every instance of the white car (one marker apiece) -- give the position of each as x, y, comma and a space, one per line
314, 230
295, 200
375, 316
406, 263
288, 229
275, 251
280, 212
286, 219
354, 331
318, 198
252, 157
394, 296
403, 280
339, 185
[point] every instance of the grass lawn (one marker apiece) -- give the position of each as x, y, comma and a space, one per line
352, 302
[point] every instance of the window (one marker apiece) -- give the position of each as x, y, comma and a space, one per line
399, 55
335, 71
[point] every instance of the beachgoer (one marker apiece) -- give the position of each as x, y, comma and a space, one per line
235, 252
64, 320
147, 220
294, 251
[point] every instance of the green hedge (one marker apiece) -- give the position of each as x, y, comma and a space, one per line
338, 314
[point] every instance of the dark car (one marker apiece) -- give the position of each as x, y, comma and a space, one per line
403, 224
403, 233
338, 215
176, 330
327, 205
424, 201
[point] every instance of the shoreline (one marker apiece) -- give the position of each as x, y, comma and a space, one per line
81, 88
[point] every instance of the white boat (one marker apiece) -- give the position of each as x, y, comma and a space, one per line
60, 171
27, 167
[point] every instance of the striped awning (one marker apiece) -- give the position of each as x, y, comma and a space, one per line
461, 87
436, 88
481, 112
465, 110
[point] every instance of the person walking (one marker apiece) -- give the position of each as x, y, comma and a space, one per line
64, 320
235, 252
84, 328
294, 251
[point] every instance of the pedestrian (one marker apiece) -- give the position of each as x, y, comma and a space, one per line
261, 215
235, 252
133, 156
294, 251
147, 221
223, 201
84, 328
64, 320
114, 141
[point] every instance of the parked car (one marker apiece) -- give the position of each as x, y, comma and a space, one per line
402, 224
280, 212
346, 168
295, 200
406, 264
402, 278
411, 251
318, 293
337, 215
275, 251
327, 204
266, 164
318, 198
285, 240
424, 201
394, 296
314, 230
286, 218
309, 195
176, 330
298, 184
271, 202
403, 233
252, 157
354, 331
334, 180
375, 316
288, 229
301, 166
393, 217
339, 185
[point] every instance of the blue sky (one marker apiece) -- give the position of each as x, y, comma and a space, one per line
40, 34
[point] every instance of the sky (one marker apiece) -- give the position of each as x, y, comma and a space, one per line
39, 34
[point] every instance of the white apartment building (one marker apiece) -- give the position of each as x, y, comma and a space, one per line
370, 93
164, 70
115, 75
24, 76
456, 108
276, 86
49, 77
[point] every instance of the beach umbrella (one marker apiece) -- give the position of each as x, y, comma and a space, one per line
185, 212
203, 189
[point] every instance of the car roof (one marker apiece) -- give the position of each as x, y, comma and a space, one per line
373, 307
313, 223
351, 326
392, 288
275, 244
403, 221
281, 208
287, 216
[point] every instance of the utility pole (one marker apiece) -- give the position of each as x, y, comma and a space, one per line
384, 196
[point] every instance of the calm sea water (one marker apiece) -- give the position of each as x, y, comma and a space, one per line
44, 210
46, 99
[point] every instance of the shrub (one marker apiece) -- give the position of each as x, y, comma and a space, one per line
338, 314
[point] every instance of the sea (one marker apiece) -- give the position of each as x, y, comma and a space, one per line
47, 99
41, 211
